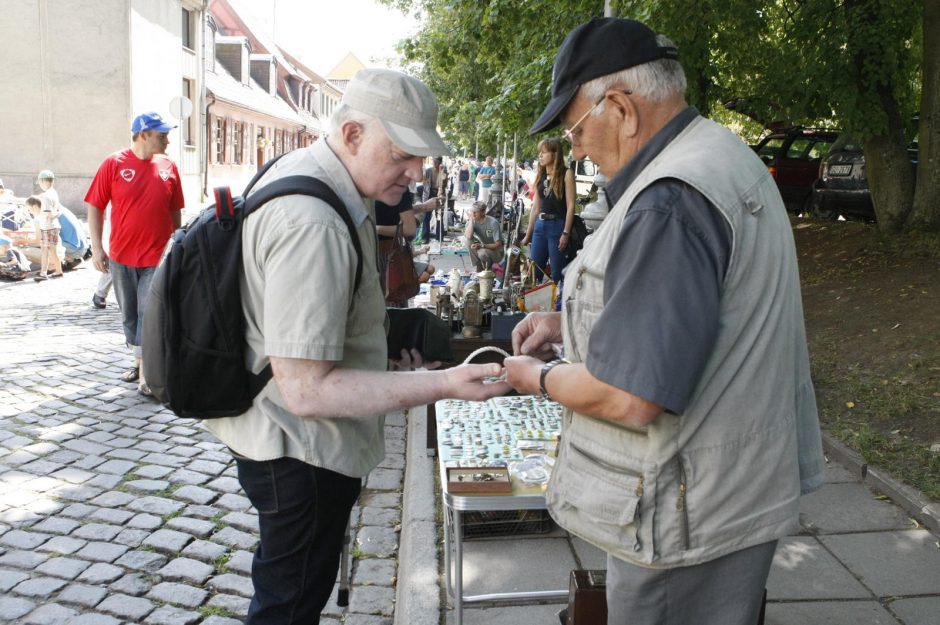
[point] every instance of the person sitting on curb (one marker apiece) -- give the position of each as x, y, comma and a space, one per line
13, 262
484, 238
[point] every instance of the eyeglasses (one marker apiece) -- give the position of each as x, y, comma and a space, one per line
568, 133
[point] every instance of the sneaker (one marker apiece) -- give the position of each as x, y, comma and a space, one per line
40, 277
55, 275
98, 302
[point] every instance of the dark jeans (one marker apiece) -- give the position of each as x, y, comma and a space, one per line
303, 511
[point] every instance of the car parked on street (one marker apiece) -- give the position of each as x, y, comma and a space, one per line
842, 187
793, 156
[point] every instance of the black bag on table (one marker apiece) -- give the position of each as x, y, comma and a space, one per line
420, 329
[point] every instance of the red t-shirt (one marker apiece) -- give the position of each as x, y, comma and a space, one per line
143, 197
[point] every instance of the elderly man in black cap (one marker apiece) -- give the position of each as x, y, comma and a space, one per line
691, 427
317, 427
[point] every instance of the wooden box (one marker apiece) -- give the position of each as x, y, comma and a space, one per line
480, 480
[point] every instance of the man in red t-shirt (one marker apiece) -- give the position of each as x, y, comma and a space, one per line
144, 189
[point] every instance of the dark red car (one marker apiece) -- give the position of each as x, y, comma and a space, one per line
793, 158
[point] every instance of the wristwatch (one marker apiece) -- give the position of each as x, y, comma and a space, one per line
545, 369
566, 233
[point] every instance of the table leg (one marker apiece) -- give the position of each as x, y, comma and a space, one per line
458, 568
448, 545
431, 431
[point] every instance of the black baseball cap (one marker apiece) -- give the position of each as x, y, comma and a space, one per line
602, 46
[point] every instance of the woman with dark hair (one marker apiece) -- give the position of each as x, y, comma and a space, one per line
552, 210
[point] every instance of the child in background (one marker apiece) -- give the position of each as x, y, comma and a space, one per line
46, 222
13, 262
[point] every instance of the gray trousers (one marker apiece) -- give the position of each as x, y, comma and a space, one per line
725, 591
131, 287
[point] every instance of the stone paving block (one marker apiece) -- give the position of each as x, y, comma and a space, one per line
234, 502
178, 594
197, 527
78, 511
152, 471
88, 461
164, 460
380, 542
112, 516
240, 562
168, 615
67, 568
222, 620
38, 587
235, 538
147, 486
386, 517
919, 610
112, 499
56, 525
241, 521
232, 584
514, 615
804, 569
9, 579
376, 571
83, 594
201, 512
369, 619
50, 614
101, 573
204, 551
380, 499
87, 448
132, 537
44, 506
97, 531
186, 570
101, 552
95, 619
828, 612
134, 584
195, 494
133, 455
45, 484
63, 544
168, 541
231, 603
206, 466
28, 560
825, 511
19, 539
12, 608
64, 456
159, 506
225, 485
126, 607
191, 478
890, 563
385, 479
147, 561
372, 600
393, 461
145, 522
105, 481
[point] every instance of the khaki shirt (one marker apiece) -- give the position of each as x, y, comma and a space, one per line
297, 294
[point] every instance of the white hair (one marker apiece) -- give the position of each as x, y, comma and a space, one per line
657, 81
344, 113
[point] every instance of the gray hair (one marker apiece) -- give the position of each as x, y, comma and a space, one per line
657, 81
344, 113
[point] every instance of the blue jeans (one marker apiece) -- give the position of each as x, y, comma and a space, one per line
303, 512
544, 247
131, 288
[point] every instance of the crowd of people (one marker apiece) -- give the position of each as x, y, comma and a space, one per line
690, 420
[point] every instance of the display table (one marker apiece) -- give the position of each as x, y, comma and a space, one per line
483, 436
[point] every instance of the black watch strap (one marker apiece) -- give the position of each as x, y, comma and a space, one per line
545, 369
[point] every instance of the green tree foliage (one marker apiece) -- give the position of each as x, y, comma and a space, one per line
853, 64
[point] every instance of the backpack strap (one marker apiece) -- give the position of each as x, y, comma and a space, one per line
314, 187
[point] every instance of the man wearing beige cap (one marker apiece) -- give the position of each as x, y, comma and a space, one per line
317, 427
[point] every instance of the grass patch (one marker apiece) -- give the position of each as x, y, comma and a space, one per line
213, 610
220, 563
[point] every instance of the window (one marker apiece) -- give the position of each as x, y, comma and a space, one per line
798, 148
187, 34
236, 143
186, 124
218, 139
819, 150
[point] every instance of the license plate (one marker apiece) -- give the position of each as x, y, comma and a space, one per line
840, 170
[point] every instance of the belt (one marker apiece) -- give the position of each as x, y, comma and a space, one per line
547, 216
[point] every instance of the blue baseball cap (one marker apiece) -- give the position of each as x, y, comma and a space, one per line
150, 121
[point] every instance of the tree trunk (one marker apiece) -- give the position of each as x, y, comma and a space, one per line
926, 212
890, 179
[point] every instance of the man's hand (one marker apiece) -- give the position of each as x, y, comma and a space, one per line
409, 361
476, 382
534, 335
523, 373
100, 260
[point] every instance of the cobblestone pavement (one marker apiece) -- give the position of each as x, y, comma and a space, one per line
112, 510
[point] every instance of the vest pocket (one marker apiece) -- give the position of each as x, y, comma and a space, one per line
608, 511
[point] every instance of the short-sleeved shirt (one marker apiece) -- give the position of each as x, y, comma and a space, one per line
299, 301
663, 284
386, 215
144, 195
486, 169
489, 231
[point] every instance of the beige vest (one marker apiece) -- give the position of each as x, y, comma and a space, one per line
727, 474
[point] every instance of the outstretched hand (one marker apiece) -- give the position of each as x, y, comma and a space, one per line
477, 382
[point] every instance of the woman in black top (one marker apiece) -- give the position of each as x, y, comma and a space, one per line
552, 210
386, 223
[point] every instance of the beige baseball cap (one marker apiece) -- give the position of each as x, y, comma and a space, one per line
404, 105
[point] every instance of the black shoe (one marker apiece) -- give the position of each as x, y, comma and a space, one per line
40, 277
97, 301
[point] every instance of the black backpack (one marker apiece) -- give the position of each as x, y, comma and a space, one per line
194, 328
576, 237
